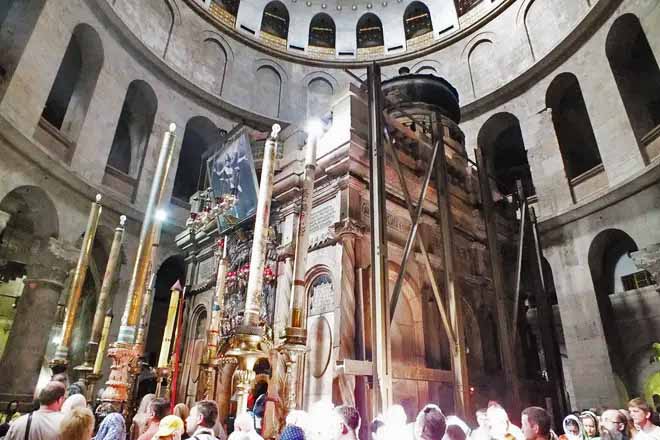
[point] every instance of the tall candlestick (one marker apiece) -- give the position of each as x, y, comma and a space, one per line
122, 351
60, 361
91, 354
259, 241
247, 349
298, 296
216, 317
103, 343
218, 301
165, 346
140, 271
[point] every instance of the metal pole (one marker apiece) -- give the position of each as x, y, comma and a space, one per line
519, 262
547, 327
216, 317
490, 221
382, 358
60, 360
459, 362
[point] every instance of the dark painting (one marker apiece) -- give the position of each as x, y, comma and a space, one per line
234, 180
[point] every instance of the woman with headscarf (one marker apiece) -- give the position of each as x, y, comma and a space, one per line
573, 429
112, 427
74, 401
141, 418
590, 425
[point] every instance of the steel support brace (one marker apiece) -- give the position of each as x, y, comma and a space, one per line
379, 276
427, 260
415, 217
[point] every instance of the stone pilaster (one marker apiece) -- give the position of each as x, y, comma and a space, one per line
347, 233
36, 312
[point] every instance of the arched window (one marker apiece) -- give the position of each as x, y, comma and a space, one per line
369, 31
199, 136
608, 259
417, 20
133, 129
636, 73
230, 6
269, 90
319, 97
501, 141
322, 31
275, 20
211, 66
575, 134
72, 90
464, 6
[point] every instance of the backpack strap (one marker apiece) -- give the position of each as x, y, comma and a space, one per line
27, 428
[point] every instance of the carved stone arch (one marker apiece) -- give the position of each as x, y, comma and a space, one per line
479, 64
426, 64
220, 39
31, 206
270, 87
320, 89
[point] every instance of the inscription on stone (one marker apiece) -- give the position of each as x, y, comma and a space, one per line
322, 218
323, 299
206, 270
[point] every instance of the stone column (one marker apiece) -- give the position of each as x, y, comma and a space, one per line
348, 232
546, 164
35, 316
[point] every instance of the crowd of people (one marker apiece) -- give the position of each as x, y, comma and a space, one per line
66, 415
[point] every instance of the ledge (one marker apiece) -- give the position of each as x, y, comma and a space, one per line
637, 183
65, 176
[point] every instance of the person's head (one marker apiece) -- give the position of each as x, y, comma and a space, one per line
61, 377
292, 433
375, 428
498, 421
52, 395
78, 424
482, 418
454, 432
430, 423
590, 424
145, 403
640, 412
613, 420
158, 410
170, 427
572, 427
349, 418
204, 413
181, 411
74, 401
244, 423
535, 423
12, 407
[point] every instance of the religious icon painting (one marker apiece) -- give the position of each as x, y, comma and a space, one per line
234, 181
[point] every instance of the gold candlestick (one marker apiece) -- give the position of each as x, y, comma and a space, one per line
169, 326
60, 361
103, 343
122, 351
91, 354
216, 317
